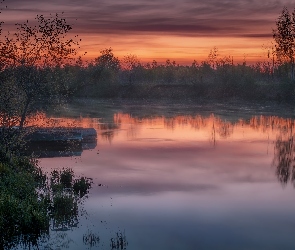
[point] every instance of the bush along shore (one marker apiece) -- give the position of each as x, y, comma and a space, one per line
32, 203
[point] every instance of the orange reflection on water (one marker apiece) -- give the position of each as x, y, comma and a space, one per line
186, 167
195, 155
44, 121
213, 128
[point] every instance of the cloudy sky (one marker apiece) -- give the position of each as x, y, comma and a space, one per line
167, 29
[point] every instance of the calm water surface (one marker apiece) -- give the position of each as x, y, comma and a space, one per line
183, 176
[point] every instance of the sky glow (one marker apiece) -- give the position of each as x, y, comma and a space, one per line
177, 30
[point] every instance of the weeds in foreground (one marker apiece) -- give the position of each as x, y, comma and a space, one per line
31, 203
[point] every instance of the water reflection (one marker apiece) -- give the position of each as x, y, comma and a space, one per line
284, 160
91, 240
119, 242
211, 124
210, 128
108, 136
183, 178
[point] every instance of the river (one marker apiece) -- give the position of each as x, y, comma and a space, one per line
182, 176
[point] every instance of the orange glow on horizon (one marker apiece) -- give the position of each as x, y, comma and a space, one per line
183, 50
161, 30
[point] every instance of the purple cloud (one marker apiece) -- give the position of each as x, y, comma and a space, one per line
237, 18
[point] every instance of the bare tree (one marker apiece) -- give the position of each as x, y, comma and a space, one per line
212, 57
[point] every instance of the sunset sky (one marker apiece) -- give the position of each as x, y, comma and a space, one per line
168, 29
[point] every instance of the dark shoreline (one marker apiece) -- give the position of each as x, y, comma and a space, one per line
105, 108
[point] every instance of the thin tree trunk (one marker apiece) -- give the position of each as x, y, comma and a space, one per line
273, 67
292, 69
24, 114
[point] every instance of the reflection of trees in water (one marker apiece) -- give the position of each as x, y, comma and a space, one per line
132, 132
119, 242
91, 239
108, 136
264, 123
216, 127
108, 126
108, 131
223, 128
284, 159
284, 148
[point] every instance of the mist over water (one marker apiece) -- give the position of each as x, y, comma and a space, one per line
183, 176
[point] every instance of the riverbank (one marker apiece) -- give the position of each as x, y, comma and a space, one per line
106, 108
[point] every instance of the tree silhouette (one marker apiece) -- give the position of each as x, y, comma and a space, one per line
131, 63
30, 60
284, 36
107, 60
30, 54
